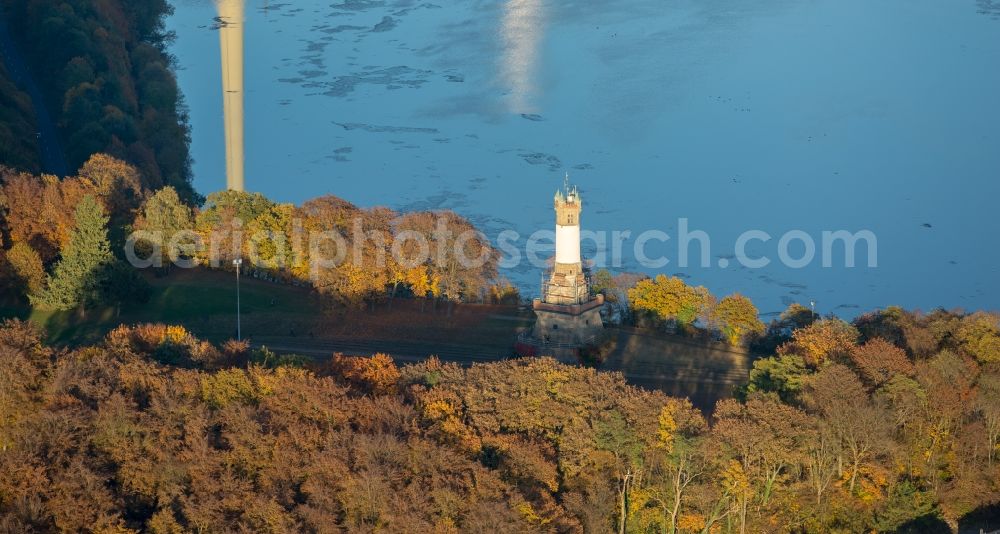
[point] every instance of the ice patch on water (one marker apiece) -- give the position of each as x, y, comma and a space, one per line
541, 158
358, 5
387, 24
384, 129
391, 77
340, 154
990, 8
330, 30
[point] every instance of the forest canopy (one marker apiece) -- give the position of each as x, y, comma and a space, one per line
108, 83
39, 218
888, 424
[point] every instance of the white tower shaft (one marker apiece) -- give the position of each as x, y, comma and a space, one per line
568, 244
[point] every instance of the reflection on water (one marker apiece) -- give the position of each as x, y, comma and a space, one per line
231, 20
521, 32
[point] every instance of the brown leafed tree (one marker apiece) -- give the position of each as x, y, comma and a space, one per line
859, 426
878, 361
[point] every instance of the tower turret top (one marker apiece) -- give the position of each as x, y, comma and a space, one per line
568, 205
568, 195
571, 196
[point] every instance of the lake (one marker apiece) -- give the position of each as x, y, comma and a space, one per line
770, 115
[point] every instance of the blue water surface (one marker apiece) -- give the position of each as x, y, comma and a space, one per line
776, 115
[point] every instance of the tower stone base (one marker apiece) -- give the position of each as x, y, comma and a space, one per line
575, 325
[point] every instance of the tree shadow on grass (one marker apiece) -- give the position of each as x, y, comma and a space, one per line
985, 519
927, 524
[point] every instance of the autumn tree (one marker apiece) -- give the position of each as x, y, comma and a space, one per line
153, 429
988, 405
979, 336
779, 331
736, 316
622, 447
76, 279
615, 288
276, 244
377, 374
879, 361
888, 324
763, 436
670, 299
348, 257
26, 268
366, 267
459, 258
39, 210
860, 427
948, 380
921, 335
679, 461
117, 184
504, 292
796, 316
222, 223
602, 283
822, 341
163, 216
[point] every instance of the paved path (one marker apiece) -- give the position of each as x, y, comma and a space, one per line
52, 155
402, 351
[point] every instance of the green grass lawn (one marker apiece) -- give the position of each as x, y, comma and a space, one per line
203, 301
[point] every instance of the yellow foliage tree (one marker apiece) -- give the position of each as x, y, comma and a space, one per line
736, 487
669, 298
736, 317
822, 340
26, 266
980, 336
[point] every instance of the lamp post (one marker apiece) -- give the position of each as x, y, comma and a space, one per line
238, 262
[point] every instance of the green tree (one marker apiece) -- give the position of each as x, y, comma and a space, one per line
164, 216
614, 436
778, 374
77, 278
222, 224
603, 283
